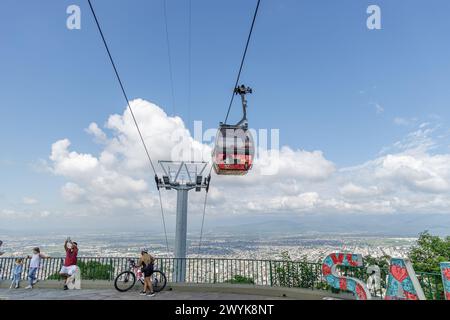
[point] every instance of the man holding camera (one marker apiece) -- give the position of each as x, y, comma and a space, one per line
70, 263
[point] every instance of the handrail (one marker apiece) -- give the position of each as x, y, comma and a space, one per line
274, 273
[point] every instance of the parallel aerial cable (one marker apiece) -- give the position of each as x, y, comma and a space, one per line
229, 108
189, 63
169, 56
132, 113
189, 109
203, 219
243, 59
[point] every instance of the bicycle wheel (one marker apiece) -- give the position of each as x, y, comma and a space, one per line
125, 281
159, 281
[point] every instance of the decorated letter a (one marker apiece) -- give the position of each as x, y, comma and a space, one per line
402, 282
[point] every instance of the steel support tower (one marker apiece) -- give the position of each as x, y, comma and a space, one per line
182, 177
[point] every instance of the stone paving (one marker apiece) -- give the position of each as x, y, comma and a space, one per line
110, 294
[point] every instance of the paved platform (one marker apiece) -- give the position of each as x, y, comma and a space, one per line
110, 294
104, 290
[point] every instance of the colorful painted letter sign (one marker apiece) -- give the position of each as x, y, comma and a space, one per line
445, 271
402, 282
345, 283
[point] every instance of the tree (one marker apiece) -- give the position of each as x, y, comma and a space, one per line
429, 252
297, 274
383, 261
237, 279
91, 270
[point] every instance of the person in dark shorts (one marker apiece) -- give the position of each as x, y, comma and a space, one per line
146, 262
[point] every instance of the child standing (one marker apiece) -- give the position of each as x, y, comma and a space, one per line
34, 266
17, 273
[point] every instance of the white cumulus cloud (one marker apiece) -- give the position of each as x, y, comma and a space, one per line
406, 177
29, 200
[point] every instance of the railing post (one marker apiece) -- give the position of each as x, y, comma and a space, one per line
110, 269
270, 271
436, 289
214, 270
162, 265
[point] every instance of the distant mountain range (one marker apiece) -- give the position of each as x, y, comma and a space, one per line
401, 225
385, 225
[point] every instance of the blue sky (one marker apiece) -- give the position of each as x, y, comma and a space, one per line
319, 75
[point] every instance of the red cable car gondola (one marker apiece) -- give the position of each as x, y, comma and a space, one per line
234, 149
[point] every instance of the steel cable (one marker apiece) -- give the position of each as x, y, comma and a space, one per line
131, 110
243, 59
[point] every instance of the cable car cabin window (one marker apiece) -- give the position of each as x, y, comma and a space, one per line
234, 151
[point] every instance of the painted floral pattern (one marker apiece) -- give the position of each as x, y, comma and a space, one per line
445, 270
400, 285
344, 283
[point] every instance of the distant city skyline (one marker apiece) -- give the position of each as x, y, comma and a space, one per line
219, 245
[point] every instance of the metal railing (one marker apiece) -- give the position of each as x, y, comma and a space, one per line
291, 274
432, 285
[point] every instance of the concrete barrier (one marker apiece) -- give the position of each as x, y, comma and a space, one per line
290, 293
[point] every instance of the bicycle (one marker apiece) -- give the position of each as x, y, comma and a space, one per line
127, 279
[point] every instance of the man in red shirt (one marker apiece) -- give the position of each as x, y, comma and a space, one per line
70, 263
